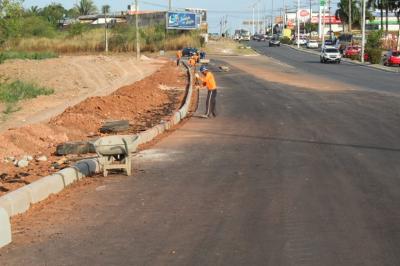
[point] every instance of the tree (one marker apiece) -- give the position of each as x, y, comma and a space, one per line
11, 12
33, 11
343, 12
53, 13
86, 7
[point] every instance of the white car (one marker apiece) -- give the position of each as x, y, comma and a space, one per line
312, 44
301, 41
330, 55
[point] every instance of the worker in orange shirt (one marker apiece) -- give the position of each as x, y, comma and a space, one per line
196, 57
178, 57
192, 62
209, 82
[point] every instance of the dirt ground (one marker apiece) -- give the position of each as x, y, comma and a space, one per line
74, 78
144, 104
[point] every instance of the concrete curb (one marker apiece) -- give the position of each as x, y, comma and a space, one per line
371, 66
20, 200
5, 228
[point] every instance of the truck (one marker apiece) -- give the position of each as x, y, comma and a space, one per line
241, 35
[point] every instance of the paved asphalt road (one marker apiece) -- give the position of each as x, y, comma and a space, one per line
283, 176
346, 72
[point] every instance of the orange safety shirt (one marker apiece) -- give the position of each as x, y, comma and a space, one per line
209, 81
179, 54
192, 62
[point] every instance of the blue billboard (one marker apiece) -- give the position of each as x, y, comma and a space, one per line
182, 21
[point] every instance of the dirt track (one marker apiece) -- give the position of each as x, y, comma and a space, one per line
73, 78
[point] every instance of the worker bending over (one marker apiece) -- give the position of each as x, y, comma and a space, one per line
208, 81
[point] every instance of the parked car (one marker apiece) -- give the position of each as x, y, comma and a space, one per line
329, 54
274, 42
301, 41
351, 50
189, 51
312, 44
392, 58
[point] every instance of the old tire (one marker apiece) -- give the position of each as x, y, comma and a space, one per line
76, 147
115, 126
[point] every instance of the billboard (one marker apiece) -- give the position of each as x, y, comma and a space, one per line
183, 21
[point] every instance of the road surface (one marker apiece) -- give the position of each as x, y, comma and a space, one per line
285, 175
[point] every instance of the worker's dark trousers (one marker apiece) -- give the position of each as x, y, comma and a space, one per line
211, 102
178, 61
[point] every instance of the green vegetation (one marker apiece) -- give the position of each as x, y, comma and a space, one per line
13, 92
373, 47
17, 90
25, 55
286, 40
37, 30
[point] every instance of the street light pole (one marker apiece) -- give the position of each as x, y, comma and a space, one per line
298, 24
363, 31
170, 5
137, 29
253, 20
350, 15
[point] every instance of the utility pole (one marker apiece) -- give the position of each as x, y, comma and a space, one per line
350, 15
106, 29
137, 29
298, 24
323, 24
170, 5
363, 31
253, 20
258, 18
330, 21
310, 17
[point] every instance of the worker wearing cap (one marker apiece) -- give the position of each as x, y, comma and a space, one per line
178, 57
209, 82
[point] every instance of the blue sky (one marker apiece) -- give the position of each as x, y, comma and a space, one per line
237, 10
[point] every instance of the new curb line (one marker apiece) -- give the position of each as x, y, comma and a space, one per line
20, 200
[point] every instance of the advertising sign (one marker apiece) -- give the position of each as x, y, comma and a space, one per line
182, 21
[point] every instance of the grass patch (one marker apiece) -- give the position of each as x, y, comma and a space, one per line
26, 55
13, 92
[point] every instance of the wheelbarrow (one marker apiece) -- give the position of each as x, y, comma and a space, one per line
116, 152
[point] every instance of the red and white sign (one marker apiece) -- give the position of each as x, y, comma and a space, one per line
304, 13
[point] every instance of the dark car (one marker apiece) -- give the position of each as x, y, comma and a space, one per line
189, 51
274, 42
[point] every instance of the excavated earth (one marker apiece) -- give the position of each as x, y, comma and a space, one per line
144, 103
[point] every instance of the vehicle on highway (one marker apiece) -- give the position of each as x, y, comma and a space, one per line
392, 58
274, 42
242, 35
312, 44
301, 41
331, 55
189, 51
351, 50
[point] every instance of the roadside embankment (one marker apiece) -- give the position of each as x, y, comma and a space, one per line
144, 104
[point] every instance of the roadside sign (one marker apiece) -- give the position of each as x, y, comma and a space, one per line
322, 3
183, 20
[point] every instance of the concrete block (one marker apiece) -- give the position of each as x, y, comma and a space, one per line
44, 187
161, 128
5, 228
176, 118
16, 202
69, 175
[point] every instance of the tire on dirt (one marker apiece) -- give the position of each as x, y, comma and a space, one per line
78, 147
115, 126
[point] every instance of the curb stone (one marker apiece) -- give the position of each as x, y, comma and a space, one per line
5, 228
20, 200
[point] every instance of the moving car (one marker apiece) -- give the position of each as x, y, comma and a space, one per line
312, 44
392, 58
329, 54
189, 51
274, 42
